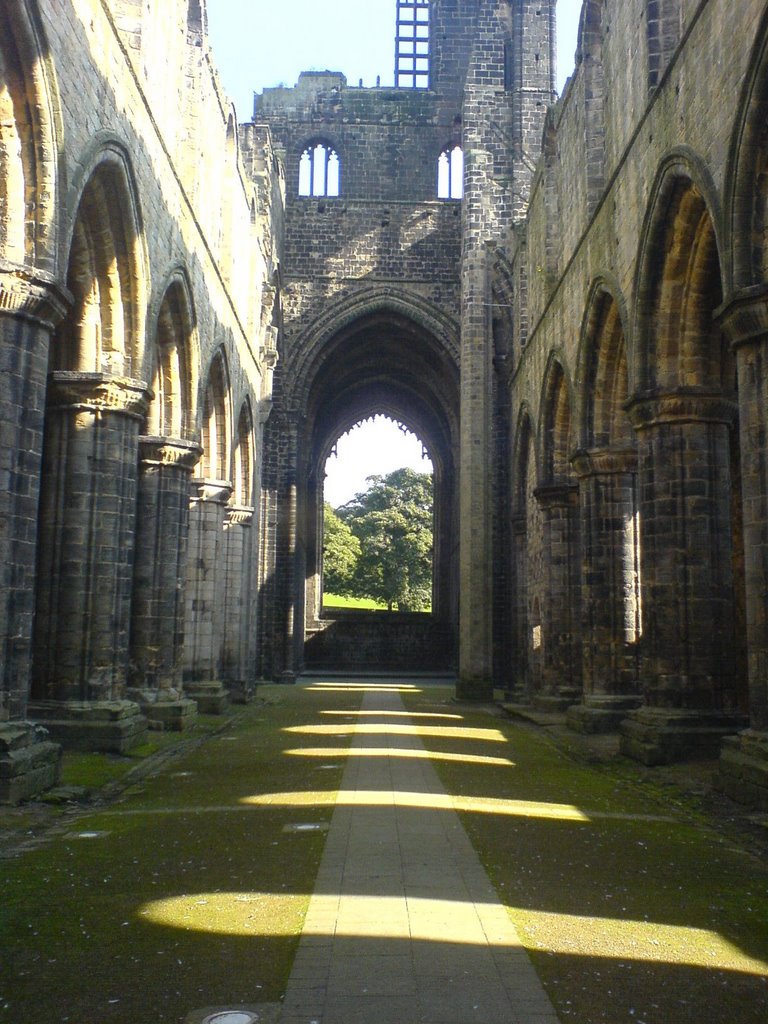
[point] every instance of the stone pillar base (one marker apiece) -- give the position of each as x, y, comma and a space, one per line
553, 703
241, 692
743, 771
480, 690
173, 715
654, 735
601, 714
29, 763
211, 697
111, 726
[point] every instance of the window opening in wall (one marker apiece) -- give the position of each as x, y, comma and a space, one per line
319, 171
412, 44
378, 520
450, 173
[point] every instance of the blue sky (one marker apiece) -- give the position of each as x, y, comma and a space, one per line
261, 43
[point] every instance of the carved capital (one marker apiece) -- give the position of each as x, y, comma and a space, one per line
744, 317
553, 496
239, 515
32, 296
604, 462
217, 492
98, 392
169, 451
646, 411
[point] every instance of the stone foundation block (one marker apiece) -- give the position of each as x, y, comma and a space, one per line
743, 770
29, 762
601, 714
664, 735
211, 697
552, 703
173, 715
111, 726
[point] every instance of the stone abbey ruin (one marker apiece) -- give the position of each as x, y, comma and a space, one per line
565, 298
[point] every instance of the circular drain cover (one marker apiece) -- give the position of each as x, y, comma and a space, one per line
231, 1017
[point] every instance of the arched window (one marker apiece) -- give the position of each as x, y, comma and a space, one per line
450, 173
319, 171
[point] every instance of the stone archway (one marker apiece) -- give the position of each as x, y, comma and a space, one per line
384, 360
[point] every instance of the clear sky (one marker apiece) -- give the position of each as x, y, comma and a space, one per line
262, 43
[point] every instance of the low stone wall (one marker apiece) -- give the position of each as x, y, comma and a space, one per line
380, 642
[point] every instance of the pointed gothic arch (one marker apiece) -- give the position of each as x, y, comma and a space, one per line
216, 430
106, 274
29, 137
174, 369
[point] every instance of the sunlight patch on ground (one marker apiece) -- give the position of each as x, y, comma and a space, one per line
444, 920
443, 802
392, 714
405, 752
360, 688
390, 729
568, 934
229, 913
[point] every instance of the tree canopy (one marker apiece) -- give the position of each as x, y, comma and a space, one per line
341, 551
392, 522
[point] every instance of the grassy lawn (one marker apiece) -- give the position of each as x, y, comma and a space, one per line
187, 893
337, 601
630, 909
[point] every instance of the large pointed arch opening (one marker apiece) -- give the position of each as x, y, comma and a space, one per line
384, 362
378, 519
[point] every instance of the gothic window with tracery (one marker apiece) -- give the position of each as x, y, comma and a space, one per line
412, 44
450, 173
319, 170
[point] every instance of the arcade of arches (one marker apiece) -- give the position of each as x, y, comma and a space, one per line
192, 313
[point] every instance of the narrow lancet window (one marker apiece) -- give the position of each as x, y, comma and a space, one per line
450, 173
412, 44
319, 171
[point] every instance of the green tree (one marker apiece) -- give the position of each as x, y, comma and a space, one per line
393, 521
341, 553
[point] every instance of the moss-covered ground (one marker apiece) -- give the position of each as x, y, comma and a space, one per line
633, 908
187, 887
180, 895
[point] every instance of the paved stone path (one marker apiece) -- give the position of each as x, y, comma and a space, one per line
404, 926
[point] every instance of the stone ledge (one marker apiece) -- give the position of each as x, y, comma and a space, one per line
600, 714
110, 726
29, 763
743, 769
173, 715
654, 735
211, 697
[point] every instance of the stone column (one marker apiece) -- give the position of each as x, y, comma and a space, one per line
204, 623
159, 580
239, 653
743, 773
475, 474
521, 682
30, 307
688, 642
560, 668
610, 588
85, 561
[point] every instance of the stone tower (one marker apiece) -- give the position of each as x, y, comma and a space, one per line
387, 307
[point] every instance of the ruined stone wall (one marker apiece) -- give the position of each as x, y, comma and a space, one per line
124, 204
638, 185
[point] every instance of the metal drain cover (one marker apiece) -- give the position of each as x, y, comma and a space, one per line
231, 1017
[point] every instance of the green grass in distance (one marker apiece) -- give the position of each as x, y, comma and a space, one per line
336, 601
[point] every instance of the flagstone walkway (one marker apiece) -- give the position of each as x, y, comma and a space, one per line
404, 926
